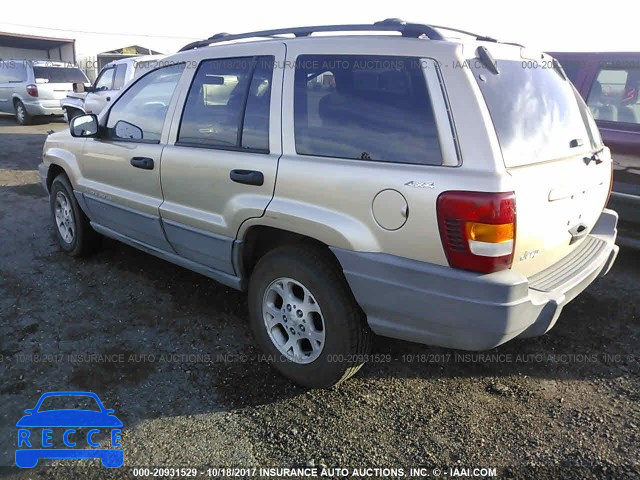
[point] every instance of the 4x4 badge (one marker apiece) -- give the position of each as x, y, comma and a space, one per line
415, 184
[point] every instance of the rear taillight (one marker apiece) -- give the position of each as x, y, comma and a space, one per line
478, 229
32, 90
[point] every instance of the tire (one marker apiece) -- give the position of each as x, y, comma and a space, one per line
331, 319
73, 230
22, 116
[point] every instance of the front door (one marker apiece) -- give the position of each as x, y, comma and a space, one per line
121, 170
97, 100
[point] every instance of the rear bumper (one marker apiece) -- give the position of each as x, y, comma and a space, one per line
442, 306
43, 107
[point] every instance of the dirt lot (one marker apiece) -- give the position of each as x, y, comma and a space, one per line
170, 351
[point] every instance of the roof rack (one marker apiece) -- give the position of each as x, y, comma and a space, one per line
414, 30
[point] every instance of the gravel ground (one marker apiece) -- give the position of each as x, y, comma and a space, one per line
170, 351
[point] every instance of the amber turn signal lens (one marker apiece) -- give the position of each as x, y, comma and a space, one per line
484, 232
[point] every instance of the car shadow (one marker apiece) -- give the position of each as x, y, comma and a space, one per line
593, 339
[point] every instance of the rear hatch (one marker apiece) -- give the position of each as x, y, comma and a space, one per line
551, 149
55, 81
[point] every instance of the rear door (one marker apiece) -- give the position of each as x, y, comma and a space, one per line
220, 166
548, 141
54, 81
13, 76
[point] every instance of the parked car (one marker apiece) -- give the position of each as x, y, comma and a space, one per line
610, 84
410, 195
34, 88
111, 79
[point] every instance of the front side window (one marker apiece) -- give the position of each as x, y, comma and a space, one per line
614, 95
365, 108
139, 114
228, 104
105, 80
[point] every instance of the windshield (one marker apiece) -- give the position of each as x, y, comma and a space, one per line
66, 402
535, 112
59, 75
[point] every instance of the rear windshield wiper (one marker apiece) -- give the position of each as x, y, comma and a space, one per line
559, 70
487, 60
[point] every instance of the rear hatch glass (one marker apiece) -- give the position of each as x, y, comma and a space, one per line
59, 75
534, 110
55, 82
548, 138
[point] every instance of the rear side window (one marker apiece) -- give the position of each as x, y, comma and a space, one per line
364, 108
534, 110
12, 72
614, 95
59, 75
228, 105
118, 78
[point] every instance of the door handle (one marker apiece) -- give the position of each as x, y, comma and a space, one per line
248, 177
142, 162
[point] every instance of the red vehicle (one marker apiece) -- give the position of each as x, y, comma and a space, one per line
610, 83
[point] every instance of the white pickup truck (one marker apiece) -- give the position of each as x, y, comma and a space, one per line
111, 79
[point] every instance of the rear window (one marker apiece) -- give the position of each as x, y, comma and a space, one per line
535, 112
59, 75
364, 108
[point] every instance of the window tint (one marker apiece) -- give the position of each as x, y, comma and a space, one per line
364, 107
105, 80
227, 94
614, 96
118, 78
59, 75
140, 112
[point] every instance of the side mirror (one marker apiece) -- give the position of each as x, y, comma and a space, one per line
84, 126
109, 411
127, 131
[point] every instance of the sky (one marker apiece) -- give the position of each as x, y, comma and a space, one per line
547, 25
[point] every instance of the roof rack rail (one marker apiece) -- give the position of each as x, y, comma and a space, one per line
414, 30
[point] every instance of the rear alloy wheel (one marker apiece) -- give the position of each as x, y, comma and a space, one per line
22, 116
293, 320
304, 317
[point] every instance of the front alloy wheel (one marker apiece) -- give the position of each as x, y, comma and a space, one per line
64, 218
